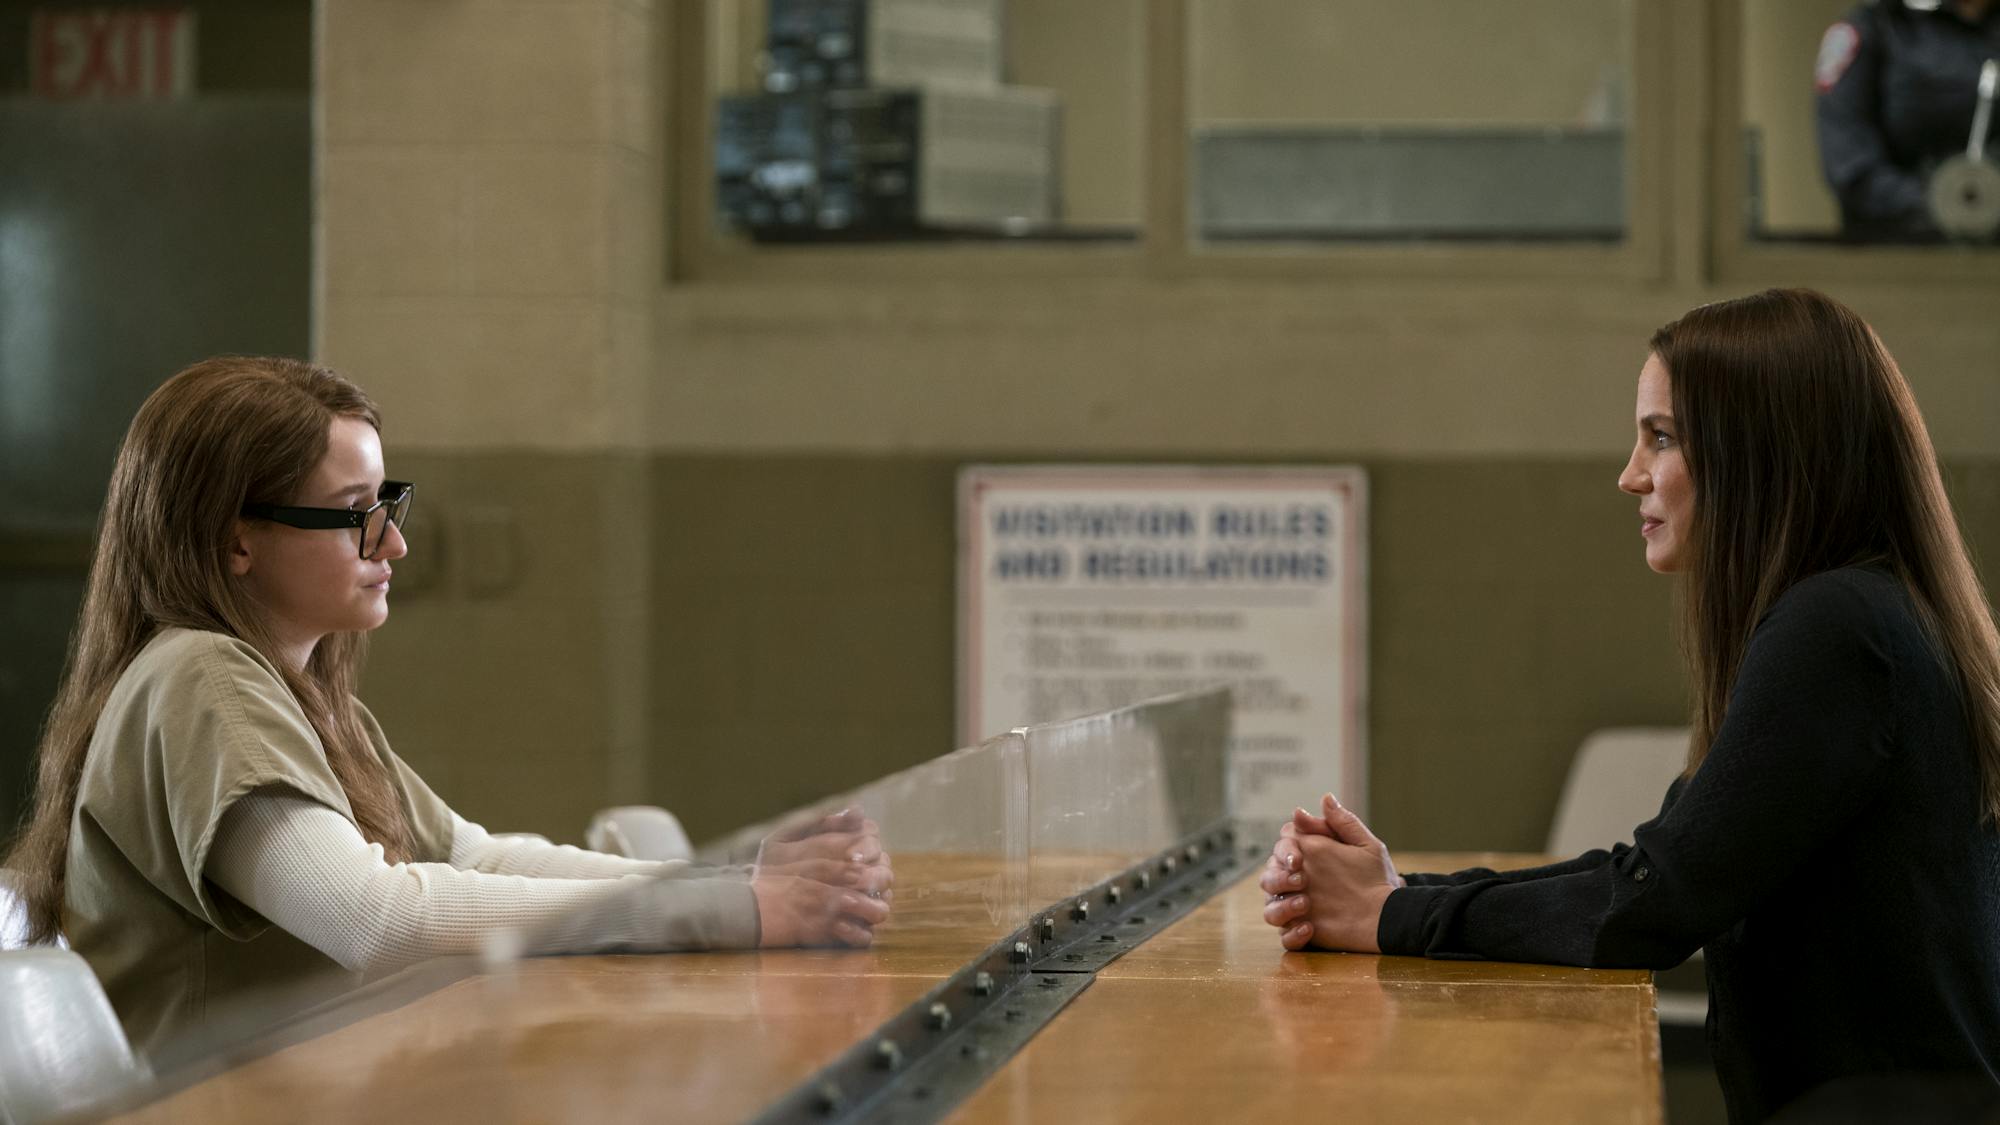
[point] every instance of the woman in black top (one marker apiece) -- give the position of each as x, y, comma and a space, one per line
1832, 843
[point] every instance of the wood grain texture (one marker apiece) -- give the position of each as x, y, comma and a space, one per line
1210, 1019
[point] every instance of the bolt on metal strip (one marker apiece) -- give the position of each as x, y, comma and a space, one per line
919, 1064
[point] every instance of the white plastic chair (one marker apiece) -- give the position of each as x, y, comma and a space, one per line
61, 1047
639, 832
13, 914
1615, 784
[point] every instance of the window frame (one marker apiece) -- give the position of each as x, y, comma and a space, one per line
1165, 248
1737, 259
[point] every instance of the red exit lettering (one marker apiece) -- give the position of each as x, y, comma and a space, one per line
112, 53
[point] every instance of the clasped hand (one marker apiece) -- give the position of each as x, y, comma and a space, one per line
825, 882
1327, 880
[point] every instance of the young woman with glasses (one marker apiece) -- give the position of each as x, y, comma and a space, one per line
1832, 843
220, 827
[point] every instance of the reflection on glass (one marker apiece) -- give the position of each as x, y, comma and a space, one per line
981, 840
1345, 120
1108, 791
1861, 122
956, 830
842, 120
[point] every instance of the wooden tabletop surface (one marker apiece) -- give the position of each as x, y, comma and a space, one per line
1208, 1020
1212, 1021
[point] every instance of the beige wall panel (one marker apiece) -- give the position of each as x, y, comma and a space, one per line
636, 246
470, 70
1199, 368
491, 192
1524, 62
1780, 43
488, 220
400, 214
405, 352
460, 372
537, 373
636, 97
1090, 54
539, 220
736, 30
631, 370
491, 223
1947, 343
1191, 369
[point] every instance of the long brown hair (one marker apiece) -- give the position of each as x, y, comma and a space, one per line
223, 433
1807, 453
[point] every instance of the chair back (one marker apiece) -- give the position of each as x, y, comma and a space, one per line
639, 832
13, 912
1616, 783
61, 1047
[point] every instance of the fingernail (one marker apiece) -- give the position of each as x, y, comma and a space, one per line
857, 857
1296, 880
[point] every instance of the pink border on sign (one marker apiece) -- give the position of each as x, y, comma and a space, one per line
1349, 481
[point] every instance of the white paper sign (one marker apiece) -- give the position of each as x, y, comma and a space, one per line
1088, 587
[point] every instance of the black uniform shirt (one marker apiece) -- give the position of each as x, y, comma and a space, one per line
1829, 855
1897, 90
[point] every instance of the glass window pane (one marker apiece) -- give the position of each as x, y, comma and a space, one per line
1858, 121
1446, 119
873, 120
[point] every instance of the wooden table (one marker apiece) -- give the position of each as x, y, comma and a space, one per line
1208, 1020
1212, 1021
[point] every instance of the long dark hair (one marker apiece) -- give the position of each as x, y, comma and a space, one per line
1807, 453
222, 433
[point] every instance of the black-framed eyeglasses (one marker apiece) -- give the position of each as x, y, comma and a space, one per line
392, 505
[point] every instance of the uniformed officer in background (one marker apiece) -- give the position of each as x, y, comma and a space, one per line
1898, 84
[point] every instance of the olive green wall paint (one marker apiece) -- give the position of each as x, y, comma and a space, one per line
798, 617
511, 671
807, 609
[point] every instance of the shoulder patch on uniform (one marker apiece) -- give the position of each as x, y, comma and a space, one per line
1836, 52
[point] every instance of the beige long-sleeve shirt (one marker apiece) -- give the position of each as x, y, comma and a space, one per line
194, 947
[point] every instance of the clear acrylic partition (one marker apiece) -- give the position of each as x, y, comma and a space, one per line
695, 1037
981, 840
1107, 791
957, 832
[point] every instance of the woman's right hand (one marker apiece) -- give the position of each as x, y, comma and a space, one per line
1284, 880
794, 911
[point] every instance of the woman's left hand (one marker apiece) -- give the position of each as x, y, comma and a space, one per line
1343, 875
843, 849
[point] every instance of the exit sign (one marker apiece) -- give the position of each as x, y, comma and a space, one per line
111, 53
